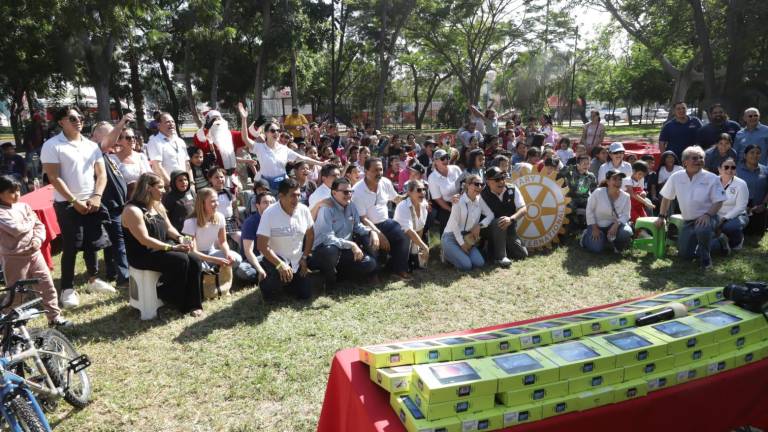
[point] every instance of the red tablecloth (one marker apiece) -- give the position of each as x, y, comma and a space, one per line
41, 202
718, 403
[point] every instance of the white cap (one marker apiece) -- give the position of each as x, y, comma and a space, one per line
616, 147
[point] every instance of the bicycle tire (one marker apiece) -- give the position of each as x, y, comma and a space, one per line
79, 396
25, 415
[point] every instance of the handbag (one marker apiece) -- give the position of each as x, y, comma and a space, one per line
468, 237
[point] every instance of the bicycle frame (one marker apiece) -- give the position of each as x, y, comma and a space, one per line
10, 385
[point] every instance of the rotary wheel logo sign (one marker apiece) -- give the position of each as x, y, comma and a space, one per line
547, 208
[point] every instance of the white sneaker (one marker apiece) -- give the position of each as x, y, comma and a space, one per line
70, 299
100, 286
504, 262
739, 246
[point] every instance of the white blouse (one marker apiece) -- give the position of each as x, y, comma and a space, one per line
466, 214
601, 212
408, 218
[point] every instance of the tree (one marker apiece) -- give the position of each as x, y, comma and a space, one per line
426, 72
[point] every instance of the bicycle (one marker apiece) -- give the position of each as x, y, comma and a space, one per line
44, 359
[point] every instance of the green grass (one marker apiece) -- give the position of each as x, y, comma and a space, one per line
249, 366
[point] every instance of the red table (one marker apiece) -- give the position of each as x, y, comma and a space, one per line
41, 202
718, 403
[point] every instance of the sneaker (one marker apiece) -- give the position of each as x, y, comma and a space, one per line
70, 299
739, 246
504, 262
99, 286
442, 256
724, 246
60, 322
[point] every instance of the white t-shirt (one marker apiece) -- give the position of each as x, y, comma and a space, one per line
318, 195
664, 174
76, 160
406, 219
171, 152
600, 211
736, 199
132, 171
205, 237
373, 205
286, 232
694, 195
444, 187
272, 161
625, 168
225, 205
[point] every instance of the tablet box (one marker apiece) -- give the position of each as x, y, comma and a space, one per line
437, 411
742, 341
529, 337
523, 369
427, 351
649, 368
661, 380
720, 364
463, 347
395, 379
631, 347
630, 390
681, 334
578, 358
599, 396
749, 354
497, 342
534, 394
603, 321
697, 354
414, 421
520, 414
559, 331
560, 406
648, 304
445, 382
688, 299
590, 382
379, 356
731, 321
690, 373
713, 294
481, 421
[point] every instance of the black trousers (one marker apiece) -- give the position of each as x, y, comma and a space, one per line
181, 280
272, 286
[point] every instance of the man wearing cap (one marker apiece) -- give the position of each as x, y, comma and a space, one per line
167, 152
753, 132
615, 161
443, 186
680, 132
508, 207
295, 123
700, 195
608, 216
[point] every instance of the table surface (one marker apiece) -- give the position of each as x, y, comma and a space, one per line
40, 199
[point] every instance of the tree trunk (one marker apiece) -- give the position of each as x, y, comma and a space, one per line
261, 68
188, 88
432, 89
171, 93
16, 108
383, 58
733, 89
708, 62
137, 92
294, 79
415, 75
98, 61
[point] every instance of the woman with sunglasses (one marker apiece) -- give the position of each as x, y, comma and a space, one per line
733, 213
132, 163
411, 214
462, 233
273, 156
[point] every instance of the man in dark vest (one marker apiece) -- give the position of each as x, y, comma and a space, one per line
508, 207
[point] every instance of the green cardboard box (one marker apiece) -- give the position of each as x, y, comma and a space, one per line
523, 369
559, 331
529, 337
721, 363
630, 390
414, 421
427, 351
560, 406
599, 396
444, 382
661, 380
511, 416
631, 347
690, 373
603, 321
395, 379
578, 358
648, 304
497, 342
749, 354
463, 347
649, 368
437, 411
742, 341
591, 382
379, 356
730, 321
688, 299
533, 394
713, 294
697, 354
482, 421
682, 334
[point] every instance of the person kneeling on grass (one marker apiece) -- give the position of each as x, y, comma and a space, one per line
462, 233
607, 216
21, 235
508, 206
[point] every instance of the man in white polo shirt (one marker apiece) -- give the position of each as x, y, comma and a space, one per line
75, 167
700, 195
285, 237
370, 196
167, 151
328, 173
443, 186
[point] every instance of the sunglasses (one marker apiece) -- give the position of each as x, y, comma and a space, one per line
444, 158
75, 119
345, 192
479, 184
729, 167
128, 137
420, 190
273, 130
695, 158
749, 116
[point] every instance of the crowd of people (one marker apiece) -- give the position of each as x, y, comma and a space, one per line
275, 202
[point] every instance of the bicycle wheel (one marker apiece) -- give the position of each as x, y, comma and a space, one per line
25, 415
58, 352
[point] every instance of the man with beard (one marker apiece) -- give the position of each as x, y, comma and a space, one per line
718, 124
224, 144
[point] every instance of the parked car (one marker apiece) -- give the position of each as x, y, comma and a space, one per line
619, 114
4, 120
658, 114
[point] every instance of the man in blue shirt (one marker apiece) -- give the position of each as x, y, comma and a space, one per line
718, 124
340, 238
756, 176
755, 133
680, 132
251, 267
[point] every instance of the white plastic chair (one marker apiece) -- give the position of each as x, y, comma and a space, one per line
142, 291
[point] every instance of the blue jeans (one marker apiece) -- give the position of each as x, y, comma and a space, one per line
272, 286
695, 240
734, 230
622, 241
399, 244
115, 259
455, 255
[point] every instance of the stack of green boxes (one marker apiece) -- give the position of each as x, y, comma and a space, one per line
514, 375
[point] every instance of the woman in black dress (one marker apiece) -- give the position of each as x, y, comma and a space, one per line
147, 233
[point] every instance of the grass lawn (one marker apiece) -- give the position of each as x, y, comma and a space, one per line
248, 366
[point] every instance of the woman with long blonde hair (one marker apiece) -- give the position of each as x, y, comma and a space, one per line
208, 231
